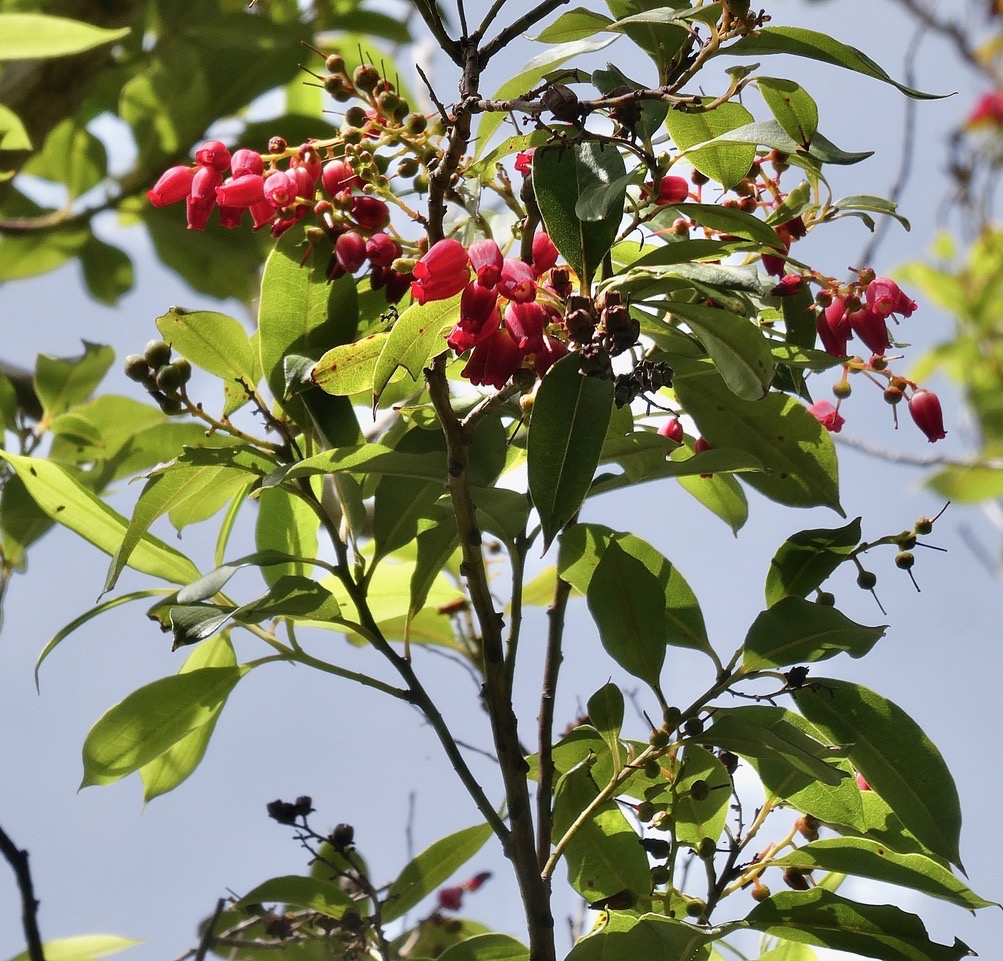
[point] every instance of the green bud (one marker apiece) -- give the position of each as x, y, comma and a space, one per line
157, 353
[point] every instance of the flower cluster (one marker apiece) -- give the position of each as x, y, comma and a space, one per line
508, 308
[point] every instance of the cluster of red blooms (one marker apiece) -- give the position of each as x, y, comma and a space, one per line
451, 899
506, 305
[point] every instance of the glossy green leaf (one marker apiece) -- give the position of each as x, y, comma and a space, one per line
793, 107
177, 763
436, 543
216, 343
561, 176
795, 450
151, 720
627, 603
415, 338
69, 503
763, 732
582, 549
349, 369
575, 24
830, 921
730, 220
891, 751
696, 819
806, 559
286, 524
13, 136
603, 857
724, 164
301, 311
797, 631
298, 891
736, 345
605, 711
528, 77
869, 859
769, 133
36, 36
83, 947
431, 868
662, 41
487, 947
199, 491
800, 42
565, 440
63, 382
625, 937
502, 512
721, 494
877, 205
367, 459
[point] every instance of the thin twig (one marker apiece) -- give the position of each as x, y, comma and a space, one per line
18, 860
512, 31
207, 935
918, 460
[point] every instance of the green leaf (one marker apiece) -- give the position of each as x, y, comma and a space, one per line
367, 459
870, 859
295, 890
13, 136
151, 720
793, 107
605, 711
891, 751
487, 947
71, 155
876, 205
796, 631
603, 857
721, 494
696, 819
732, 221
662, 41
627, 603
561, 175
64, 382
625, 937
199, 491
724, 164
806, 559
764, 732
436, 543
83, 947
416, 337
349, 369
431, 868
528, 77
582, 549
968, 485
301, 312
800, 42
216, 343
107, 271
288, 525
36, 36
825, 919
793, 447
65, 500
736, 345
177, 763
566, 435
576, 24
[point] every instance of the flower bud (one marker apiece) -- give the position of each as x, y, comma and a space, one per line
924, 406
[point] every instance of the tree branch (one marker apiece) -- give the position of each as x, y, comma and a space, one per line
18, 860
520, 847
503, 39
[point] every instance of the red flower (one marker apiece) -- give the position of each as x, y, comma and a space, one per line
246, 161
280, 189
885, 297
871, 329
789, 285
524, 161
442, 273
487, 260
338, 176
827, 416
478, 318
924, 406
671, 190
350, 250
213, 154
553, 350
988, 111
370, 213
241, 191
494, 360
672, 429
477, 880
545, 253
174, 184
382, 250
862, 782
834, 328
517, 281
525, 322
451, 899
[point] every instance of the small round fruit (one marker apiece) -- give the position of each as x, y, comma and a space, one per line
157, 353
136, 368
699, 790
169, 378
693, 727
660, 874
184, 368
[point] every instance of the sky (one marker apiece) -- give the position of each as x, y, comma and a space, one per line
104, 863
